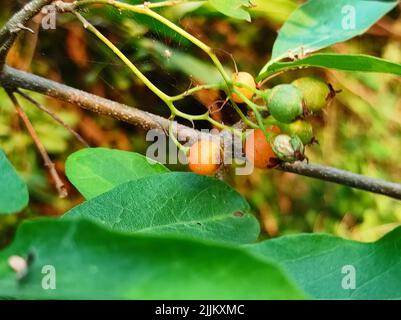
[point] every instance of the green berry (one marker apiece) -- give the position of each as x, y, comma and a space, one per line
285, 103
288, 148
302, 129
316, 92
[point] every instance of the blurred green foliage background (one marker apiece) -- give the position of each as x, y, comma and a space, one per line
360, 131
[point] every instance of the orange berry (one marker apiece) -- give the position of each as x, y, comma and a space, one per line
259, 151
246, 79
204, 157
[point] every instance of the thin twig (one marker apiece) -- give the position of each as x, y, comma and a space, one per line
9, 32
343, 177
62, 191
54, 116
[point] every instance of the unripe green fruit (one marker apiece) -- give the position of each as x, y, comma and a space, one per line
300, 128
288, 148
285, 103
315, 91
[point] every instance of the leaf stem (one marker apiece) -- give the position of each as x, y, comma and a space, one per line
194, 90
164, 97
254, 108
152, 5
60, 186
118, 53
173, 137
225, 127
243, 117
146, 10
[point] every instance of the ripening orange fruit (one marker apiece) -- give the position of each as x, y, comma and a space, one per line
204, 157
246, 79
259, 151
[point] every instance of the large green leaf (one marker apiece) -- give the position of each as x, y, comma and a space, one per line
93, 263
178, 202
13, 191
232, 8
316, 262
320, 23
347, 62
97, 170
276, 11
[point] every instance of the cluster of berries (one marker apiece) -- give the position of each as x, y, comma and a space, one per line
287, 130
